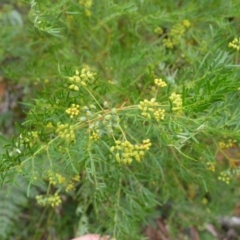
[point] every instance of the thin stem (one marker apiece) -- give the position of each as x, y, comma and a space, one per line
94, 98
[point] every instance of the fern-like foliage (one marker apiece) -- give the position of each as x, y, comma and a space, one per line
12, 200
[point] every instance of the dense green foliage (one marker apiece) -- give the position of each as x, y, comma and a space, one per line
133, 105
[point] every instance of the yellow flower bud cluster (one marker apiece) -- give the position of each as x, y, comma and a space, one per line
49, 126
158, 30
124, 152
211, 167
175, 33
147, 107
34, 134
52, 200
150, 108
66, 131
160, 83
81, 78
159, 114
58, 179
204, 201
87, 76
74, 87
87, 5
71, 185
73, 110
30, 137
178, 30
228, 144
55, 178
176, 101
186, 23
95, 135
224, 177
76, 178
235, 44
168, 43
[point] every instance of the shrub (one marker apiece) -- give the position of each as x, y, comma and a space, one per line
136, 106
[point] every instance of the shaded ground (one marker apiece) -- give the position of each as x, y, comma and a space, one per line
229, 230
